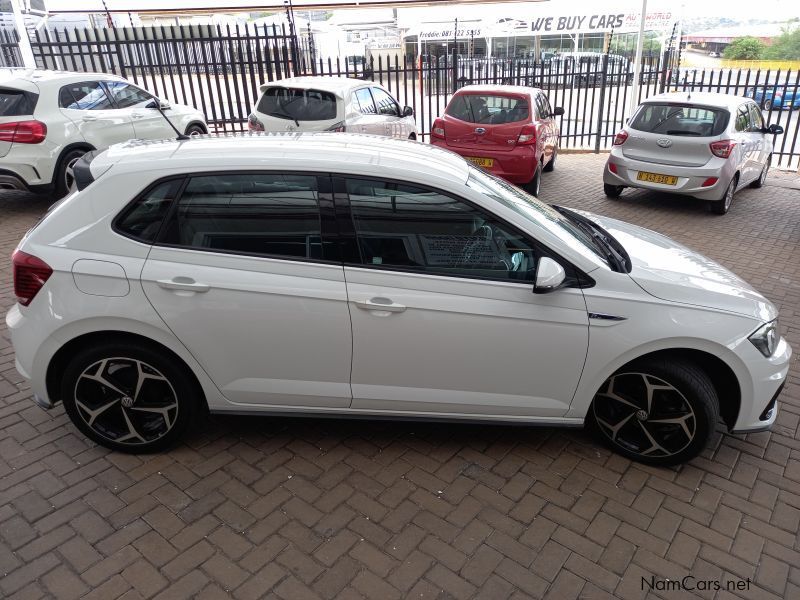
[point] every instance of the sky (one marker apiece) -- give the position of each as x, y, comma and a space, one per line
779, 9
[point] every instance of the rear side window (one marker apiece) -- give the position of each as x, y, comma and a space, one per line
268, 214
489, 109
88, 95
16, 103
680, 119
303, 105
142, 220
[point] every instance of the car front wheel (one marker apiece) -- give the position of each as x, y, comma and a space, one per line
657, 412
129, 397
763, 175
534, 185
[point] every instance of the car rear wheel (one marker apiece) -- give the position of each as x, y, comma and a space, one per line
723, 205
65, 175
612, 191
763, 176
534, 185
128, 397
659, 412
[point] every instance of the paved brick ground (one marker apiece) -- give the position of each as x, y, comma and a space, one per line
294, 509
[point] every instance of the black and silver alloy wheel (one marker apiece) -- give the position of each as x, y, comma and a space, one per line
130, 397
126, 401
656, 412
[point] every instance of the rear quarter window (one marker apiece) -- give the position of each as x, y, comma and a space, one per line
300, 104
17, 103
680, 119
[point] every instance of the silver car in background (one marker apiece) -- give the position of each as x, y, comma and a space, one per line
703, 145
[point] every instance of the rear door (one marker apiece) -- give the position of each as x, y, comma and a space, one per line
15, 105
677, 134
100, 122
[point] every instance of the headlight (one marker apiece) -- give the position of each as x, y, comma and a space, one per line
766, 337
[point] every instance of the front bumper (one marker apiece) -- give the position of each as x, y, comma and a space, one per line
769, 378
690, 179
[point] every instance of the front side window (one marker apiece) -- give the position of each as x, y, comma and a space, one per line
385, 103
680, 119
268, 214
756, 119
88, 95
143, 219
296, 103
126, 95
489, 109
412, 228
365, 102
742, 118
544, 106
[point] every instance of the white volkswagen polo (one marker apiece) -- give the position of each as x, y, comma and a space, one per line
359, 276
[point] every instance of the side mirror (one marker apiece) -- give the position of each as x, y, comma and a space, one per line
549, 276
774, 129
408, 111
156, 103
558, 111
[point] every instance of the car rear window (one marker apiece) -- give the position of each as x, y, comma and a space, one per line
493, 109
16, 103
300, 104
680, 119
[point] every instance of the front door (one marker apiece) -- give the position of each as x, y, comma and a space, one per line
444, 318
368, 120
148, 123
243, 275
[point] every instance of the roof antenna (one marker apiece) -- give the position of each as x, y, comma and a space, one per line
156, 103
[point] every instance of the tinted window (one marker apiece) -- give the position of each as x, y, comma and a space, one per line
15, 103
405, 226
742, 122
490, 109
126, 95
680, 119
303, 105
89, 95
143, 219
385, 103
258, 213
364, 99
545, 112
756, 118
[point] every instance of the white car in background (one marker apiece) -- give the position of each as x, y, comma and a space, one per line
353, 275
331, 104
49, 119
703, 145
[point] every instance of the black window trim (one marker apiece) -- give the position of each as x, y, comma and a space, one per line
85, 82
349, 239
328, 227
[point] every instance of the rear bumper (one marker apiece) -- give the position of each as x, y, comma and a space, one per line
517, 166
11, 181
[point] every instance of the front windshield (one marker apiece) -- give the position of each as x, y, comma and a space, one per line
528, 206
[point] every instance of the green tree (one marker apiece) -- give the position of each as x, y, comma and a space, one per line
785, 47
746, 48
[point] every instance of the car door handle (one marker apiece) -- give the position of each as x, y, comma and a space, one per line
137, 115
89, 118
186, 284
380, 304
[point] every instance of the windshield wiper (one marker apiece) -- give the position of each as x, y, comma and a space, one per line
608, 245
283, 112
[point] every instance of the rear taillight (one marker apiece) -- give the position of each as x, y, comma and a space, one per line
339, 127
620, 138
253, 124
527, 135
23, 132
437, 130
30, 274
722, 148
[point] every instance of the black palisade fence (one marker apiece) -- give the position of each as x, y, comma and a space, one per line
219, 70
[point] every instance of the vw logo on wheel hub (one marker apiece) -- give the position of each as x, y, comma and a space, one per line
641, 415
127, 401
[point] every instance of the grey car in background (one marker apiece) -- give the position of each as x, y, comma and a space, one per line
706, 146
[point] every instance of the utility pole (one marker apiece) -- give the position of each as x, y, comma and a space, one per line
25, 50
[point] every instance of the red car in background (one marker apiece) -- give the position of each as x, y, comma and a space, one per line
508, 130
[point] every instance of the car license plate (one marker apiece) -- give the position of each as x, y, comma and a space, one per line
486, 163
657, 178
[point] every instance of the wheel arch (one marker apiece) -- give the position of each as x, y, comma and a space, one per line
198, 123
69, 148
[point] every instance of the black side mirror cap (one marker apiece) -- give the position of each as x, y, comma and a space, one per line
558, 111
408, 111
774, 129
152, 104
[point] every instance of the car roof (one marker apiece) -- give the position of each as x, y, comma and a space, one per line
728, 101
499, 89
309, 152
38, 76
336, 85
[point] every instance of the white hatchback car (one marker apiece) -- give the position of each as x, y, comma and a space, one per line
49, 119
702, 145
358, 276
331, 104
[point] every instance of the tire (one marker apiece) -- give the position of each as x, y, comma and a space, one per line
413, 137
723, 205
195, 129
65, 180
763, 175
551, 165
107, 377
533, 187
629, 410
612, 191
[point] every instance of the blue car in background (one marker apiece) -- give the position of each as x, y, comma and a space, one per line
777, 98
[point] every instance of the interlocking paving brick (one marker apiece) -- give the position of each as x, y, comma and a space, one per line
292, 509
